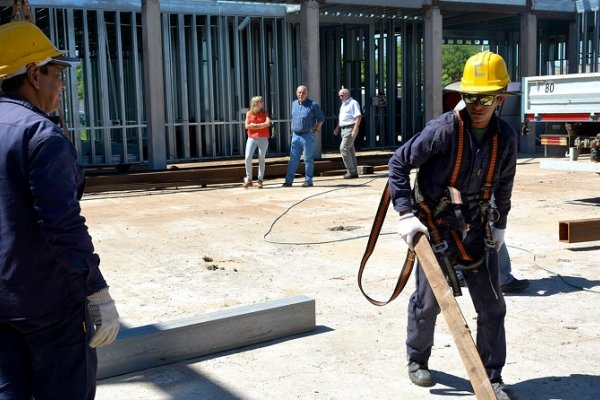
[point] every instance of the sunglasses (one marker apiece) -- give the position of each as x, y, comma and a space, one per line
484, 99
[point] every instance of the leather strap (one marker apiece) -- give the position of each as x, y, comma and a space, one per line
384, 203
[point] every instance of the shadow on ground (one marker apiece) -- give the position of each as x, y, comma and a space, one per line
557, 284
572, 387
178, 381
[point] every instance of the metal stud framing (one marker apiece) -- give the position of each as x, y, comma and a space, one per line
217, 58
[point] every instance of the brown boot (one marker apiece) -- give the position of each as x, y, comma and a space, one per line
260, 184
247, 183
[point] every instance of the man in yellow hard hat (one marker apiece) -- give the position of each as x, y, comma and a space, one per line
463, 159
55, 307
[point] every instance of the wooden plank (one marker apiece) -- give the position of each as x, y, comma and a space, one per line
456, 321
579, 230
168, 342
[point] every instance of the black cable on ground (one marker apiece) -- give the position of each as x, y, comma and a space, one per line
325, 241
552, 272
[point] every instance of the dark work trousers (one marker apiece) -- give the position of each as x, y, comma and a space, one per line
48, 358
484, 288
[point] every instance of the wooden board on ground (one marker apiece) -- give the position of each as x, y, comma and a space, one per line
454, 318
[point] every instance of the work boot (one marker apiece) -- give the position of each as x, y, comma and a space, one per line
260, 184
247, 183
306, 184
500, 390
350, 176
515, 286
419, 374
285, 184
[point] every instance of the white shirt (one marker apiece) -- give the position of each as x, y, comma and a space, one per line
349, 110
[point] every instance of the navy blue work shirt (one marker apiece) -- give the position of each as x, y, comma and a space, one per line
305, 116
47, 259
433, 150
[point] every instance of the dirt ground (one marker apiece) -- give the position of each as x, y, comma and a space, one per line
171, 254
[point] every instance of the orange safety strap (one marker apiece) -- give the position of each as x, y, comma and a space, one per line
460, 144
487, 187
436, 238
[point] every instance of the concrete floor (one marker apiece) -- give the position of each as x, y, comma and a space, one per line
171, 254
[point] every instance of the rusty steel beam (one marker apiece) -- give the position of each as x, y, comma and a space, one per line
226, 172
583, 230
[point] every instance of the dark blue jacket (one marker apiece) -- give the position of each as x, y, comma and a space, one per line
47, 259
433, 151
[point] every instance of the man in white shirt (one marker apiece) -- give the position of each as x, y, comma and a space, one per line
348, 122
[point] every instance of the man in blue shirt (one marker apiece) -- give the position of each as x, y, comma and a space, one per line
55, 308
307, 118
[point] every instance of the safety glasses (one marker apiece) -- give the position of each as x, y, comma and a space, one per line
484, 99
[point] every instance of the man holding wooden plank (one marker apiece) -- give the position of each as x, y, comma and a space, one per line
463, 158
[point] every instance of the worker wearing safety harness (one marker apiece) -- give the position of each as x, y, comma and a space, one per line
55, 307
463, 158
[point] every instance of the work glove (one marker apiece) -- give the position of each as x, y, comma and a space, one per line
408, 226
498, 237
105, 317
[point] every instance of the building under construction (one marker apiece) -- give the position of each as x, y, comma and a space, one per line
169, 81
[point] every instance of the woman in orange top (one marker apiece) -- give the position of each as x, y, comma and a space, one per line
257, 126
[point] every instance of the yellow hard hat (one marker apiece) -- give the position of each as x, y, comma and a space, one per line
22, 44
484, 72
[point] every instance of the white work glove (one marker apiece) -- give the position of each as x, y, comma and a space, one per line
105, 317
498, 237
408, 226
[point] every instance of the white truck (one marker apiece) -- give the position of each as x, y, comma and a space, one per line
569, 107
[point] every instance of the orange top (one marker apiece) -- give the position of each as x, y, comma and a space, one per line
259, 118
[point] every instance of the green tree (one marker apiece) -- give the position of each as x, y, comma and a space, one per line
454, 57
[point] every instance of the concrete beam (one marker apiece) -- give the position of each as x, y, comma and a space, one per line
311, 59
168, 342
566, 165
432, 33
154, 84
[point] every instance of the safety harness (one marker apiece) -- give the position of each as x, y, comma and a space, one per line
433, 219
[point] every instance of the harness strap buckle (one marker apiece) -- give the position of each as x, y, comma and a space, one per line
440, 247
450, 274
489, 243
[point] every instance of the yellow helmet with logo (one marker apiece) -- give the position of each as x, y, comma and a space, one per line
484, 72
22, 44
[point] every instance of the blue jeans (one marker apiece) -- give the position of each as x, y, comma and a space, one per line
301, 142
48, 357
251, 145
